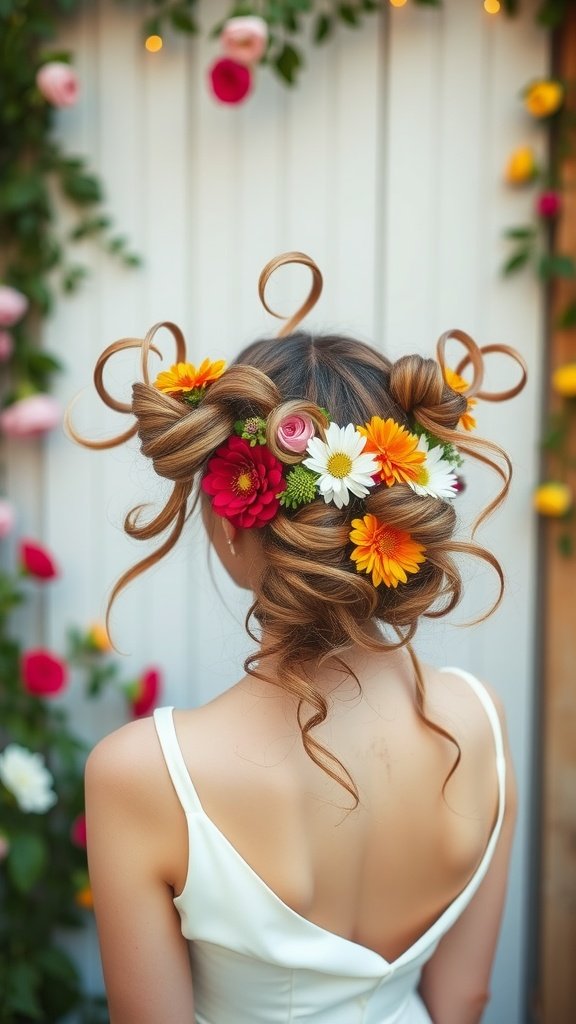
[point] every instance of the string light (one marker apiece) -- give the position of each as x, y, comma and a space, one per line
491, 6
154, 43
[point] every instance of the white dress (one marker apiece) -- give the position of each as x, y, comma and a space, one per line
257, 961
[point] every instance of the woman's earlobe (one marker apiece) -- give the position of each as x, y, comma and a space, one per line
230, 534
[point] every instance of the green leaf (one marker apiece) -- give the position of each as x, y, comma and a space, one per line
556, 265
82, 188
183, 21
551, 13
23, 981
567, 318
26, 860
518, 260
323, 27
565, 545
89, 226
520, 233
287, 63
73, 277
57, 964
349, 15
132, 259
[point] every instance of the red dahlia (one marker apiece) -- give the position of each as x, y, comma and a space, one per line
43, 674
230, 80
243, 482
37, 561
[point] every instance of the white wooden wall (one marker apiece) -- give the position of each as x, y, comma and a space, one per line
385, 165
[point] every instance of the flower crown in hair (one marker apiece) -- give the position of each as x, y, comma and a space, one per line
267, 464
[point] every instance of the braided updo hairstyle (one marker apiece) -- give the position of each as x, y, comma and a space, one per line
310, 600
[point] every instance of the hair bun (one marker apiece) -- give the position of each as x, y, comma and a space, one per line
418, 386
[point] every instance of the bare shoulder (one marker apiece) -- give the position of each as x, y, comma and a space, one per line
449, 692
128, 763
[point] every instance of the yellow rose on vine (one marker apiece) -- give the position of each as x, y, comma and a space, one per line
521, 166
544, 98
564, 380
552, 499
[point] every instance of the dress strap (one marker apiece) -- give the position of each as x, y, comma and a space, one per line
187, 795
494, 719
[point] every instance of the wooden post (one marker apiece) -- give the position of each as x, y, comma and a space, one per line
556, 996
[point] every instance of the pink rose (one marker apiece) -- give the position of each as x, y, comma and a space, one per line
6, 346
231, 81
58, 83
13, 305
548, 205
244, 39
7, 517
30, 416
294, 432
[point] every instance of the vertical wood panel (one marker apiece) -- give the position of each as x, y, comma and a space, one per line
385, 164
555, 996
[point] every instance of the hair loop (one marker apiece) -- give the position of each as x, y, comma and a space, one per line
313, 296
499, 396
474, 356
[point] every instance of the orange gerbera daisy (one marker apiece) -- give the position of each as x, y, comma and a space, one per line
395, 450
457, 383
187, 382
384, 551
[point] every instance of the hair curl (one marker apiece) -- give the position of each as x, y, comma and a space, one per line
310, 600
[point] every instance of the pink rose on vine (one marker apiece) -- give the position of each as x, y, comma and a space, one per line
244, 39
58, 83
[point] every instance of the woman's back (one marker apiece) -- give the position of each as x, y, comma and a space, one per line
379, 876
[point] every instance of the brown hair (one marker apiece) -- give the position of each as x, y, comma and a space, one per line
312, 602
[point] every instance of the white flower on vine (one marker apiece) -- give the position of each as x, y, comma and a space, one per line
26, 776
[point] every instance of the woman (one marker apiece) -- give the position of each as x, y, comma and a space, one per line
328, 841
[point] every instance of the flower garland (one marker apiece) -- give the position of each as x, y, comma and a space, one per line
247, 483
551, 103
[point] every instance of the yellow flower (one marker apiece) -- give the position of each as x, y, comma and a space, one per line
544, 98
83, 898
98, 637
182, 378
457, 383
395, 450
384, 551
564, 380
521, 166
552, 499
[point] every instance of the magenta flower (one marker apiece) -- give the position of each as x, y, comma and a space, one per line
43, 674
37, 561
78, 831
244, 39
294, 432
548, 204
13, 305
243, 482
143, 695
231, 81
30, 416
58, 83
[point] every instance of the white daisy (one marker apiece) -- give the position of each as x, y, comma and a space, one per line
436, 477
340, 464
